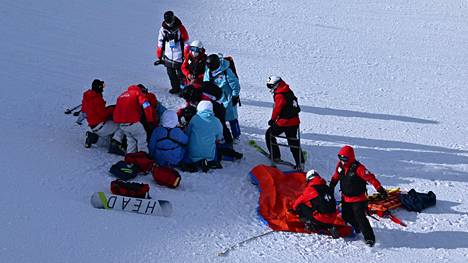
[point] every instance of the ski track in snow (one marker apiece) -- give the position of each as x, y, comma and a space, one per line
388, 77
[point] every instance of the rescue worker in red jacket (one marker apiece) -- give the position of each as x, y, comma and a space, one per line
316, 206
284, 119
170, 52
99, 118
353, 177
128, 113
194, 64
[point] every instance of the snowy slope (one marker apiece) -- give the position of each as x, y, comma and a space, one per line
388, 77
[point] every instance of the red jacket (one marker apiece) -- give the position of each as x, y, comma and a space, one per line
280, 104
361, 171
195, 66
309, 194
95, 108
154, 103
130, 105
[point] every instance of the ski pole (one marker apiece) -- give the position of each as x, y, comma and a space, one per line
76, 113
69, 111
227, 250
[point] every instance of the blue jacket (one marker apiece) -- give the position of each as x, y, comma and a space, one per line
168, 152
224, 78
204, 130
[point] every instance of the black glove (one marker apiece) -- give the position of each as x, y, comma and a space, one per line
235, 100
271, 123
383, 193
158, 62
291, 211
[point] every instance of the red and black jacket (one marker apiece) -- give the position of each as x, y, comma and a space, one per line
195, 66
94, 105
286, 109
311, 196
353, 177
131, 105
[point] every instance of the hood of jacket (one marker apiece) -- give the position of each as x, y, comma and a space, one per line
348, 151
169, 119
91, 95
282, 87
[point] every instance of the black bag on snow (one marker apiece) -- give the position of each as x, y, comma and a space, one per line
414, 201
123, 170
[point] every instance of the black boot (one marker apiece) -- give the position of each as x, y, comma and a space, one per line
91, 138
370, 242
115, 147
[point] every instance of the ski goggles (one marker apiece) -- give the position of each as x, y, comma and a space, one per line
195, 49
342, 158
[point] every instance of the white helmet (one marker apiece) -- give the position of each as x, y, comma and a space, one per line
311, 174
196, 47
272, 82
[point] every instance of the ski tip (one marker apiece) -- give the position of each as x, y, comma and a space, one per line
96, 200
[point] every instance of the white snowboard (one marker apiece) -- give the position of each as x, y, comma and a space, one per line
131, 204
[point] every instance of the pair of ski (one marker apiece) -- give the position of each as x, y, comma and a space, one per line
259, 149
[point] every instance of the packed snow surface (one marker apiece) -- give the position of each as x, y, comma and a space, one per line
388, 77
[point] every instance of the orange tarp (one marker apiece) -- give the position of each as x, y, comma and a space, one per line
278, 191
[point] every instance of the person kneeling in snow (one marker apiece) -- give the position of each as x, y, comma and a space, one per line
99, 118
204, 131
168, 142
130, 105
316, 206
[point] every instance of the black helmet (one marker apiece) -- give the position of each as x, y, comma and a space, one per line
142, 88
169, 18
97, 85
212, 62
190, 94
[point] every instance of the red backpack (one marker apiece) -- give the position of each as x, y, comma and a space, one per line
138, 190
166, 176
142, 160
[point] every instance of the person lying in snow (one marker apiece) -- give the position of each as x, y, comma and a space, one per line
316, 206
99, 118
353, 177
168, 142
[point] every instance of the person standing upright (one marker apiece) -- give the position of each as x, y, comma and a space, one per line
353, 178
284, 119
170, 52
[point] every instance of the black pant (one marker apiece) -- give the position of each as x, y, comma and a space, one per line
305, 215
175, 76
291, 134
355, 214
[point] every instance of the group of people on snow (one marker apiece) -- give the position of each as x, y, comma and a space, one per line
196, 137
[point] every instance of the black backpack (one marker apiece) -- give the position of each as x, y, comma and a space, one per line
325, 202
124, 171
414, 201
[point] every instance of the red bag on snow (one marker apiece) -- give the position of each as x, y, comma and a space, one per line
141, 159
166, 176
138, 190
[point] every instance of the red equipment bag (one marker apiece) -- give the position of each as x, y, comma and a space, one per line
141, 159
138, 190
166, 176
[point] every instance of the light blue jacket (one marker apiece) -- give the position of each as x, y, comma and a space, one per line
168, 152
224, 78
204, 130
